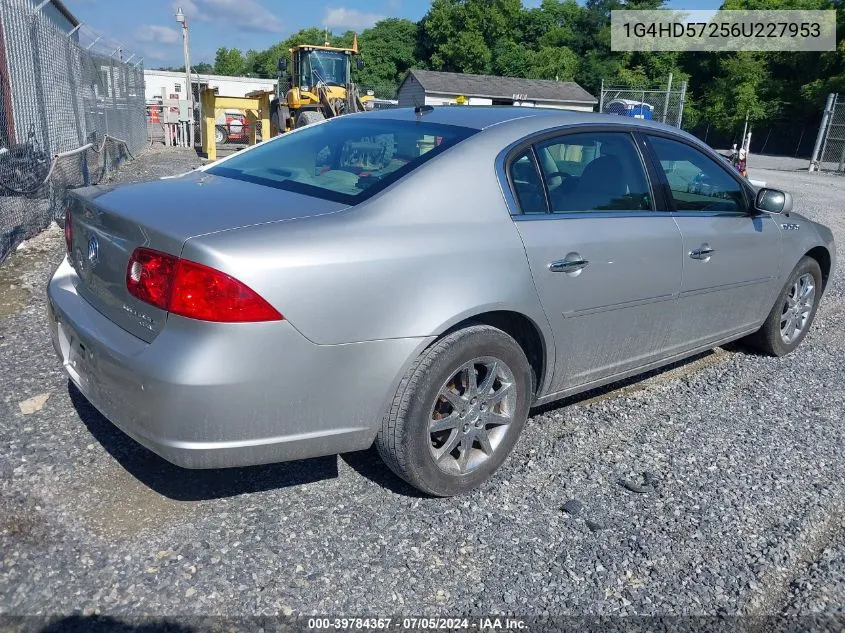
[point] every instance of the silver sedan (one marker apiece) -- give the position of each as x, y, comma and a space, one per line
418, 278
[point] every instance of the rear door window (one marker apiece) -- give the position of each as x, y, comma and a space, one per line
594, 171
346, 160
527, 184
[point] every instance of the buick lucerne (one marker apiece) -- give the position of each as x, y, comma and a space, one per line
418, 279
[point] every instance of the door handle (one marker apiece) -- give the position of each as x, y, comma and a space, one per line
703, 252
568, 265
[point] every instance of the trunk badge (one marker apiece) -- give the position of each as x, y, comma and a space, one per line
93, 250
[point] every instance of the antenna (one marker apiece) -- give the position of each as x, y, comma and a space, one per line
326, 36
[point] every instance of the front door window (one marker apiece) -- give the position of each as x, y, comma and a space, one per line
696, 181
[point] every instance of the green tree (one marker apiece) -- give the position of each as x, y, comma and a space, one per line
467, 52
254, 64
554, 62
459, 35
388, 52
511, 59
560, 23
228, 61
203, 67
570, 41
740, 91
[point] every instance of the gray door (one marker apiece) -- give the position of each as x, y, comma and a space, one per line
731, 256
606, 266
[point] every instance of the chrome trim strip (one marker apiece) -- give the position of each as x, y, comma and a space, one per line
619, 306
531, 217
581, 215
710, 214
738, 284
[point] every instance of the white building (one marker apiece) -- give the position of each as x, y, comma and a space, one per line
171, 85
427, 87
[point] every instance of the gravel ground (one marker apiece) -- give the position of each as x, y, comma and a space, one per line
745, 454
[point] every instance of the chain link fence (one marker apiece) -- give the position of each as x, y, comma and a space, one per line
381, 90
71, 110
829, 151
664, 104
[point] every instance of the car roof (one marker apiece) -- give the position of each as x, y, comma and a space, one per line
483, 117
475, 117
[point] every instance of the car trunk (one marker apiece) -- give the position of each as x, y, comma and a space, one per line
108, 223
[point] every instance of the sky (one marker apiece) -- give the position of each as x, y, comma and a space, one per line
149, 28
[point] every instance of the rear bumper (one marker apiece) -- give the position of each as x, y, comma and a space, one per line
210, 395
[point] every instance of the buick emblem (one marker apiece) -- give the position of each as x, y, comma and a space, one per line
93, 250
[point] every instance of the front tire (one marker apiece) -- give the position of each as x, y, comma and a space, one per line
458, 411
307, 117
793, 312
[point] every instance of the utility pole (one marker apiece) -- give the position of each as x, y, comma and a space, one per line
181, 19
666, 100
681, 103
601, 97
818, 148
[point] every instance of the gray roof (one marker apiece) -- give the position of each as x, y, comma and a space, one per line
495, 87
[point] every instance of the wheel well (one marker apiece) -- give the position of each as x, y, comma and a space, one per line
822, 256
524, 332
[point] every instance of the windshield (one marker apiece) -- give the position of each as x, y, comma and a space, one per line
328, 67
347, 159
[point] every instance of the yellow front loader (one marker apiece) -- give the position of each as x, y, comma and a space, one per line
320, 86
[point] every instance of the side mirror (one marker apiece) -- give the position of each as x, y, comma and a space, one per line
359, 63
773, 201
283, 65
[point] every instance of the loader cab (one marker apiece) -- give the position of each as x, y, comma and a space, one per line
319, 85
318, 65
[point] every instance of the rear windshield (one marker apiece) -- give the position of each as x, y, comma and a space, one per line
345, 160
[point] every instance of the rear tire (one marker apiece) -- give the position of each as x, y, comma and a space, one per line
448, 430
793, 312
220, 135
307, 117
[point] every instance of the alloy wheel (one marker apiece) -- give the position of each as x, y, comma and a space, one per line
797, 308
471, 415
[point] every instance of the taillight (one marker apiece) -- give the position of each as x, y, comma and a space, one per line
193, 290
204, 293
68, 231
149, 276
